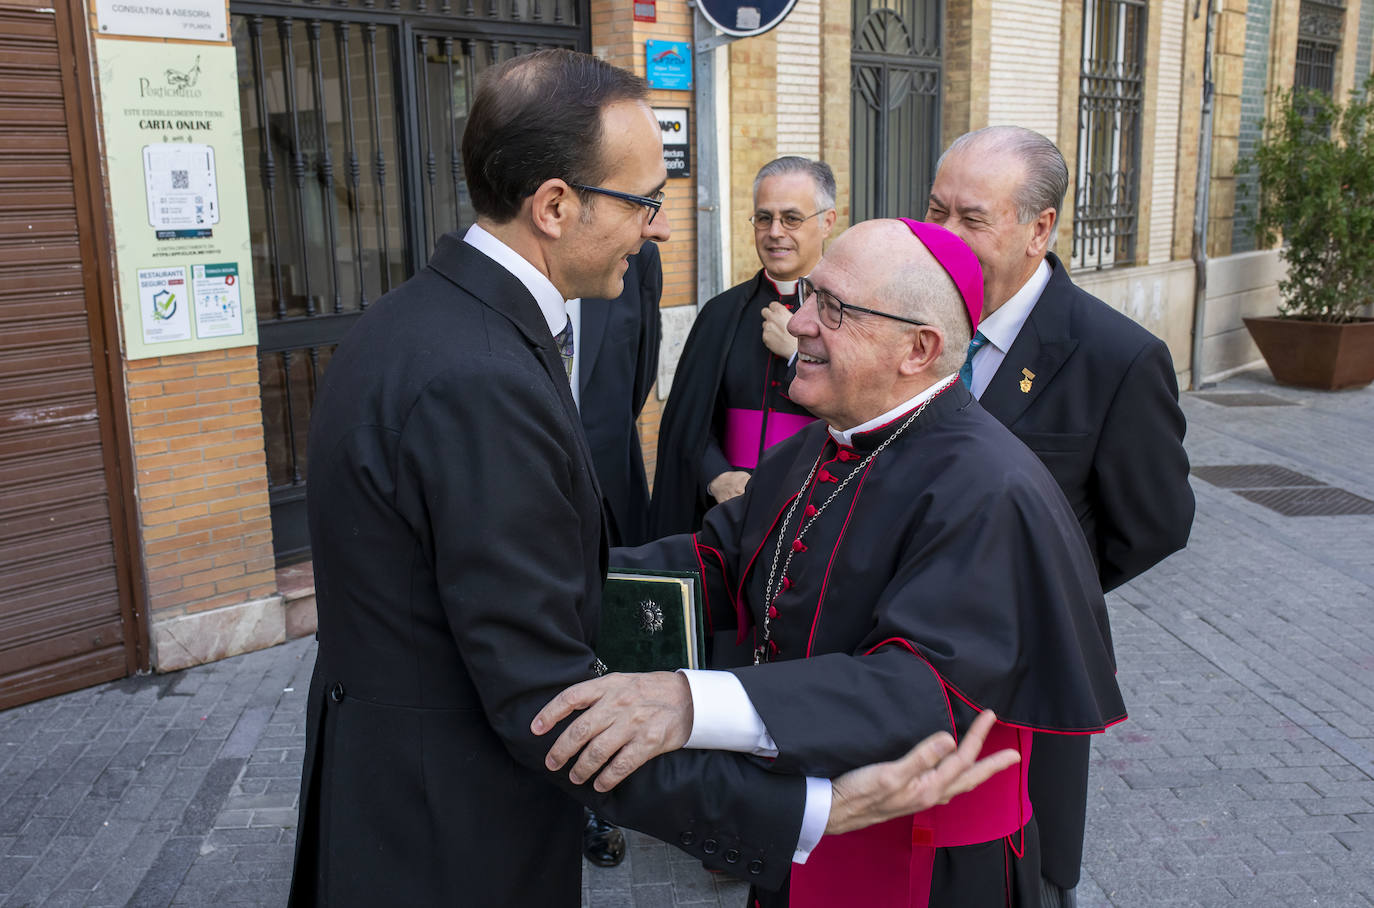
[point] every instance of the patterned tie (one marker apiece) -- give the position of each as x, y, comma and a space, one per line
966, 372
564, 339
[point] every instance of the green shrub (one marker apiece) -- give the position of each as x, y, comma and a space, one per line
1315, 169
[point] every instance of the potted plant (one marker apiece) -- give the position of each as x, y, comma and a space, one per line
1315, 168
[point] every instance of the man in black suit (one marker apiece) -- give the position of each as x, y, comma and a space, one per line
459, 547
1091, 392
614, 365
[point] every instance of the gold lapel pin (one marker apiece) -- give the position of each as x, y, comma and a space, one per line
1026, 382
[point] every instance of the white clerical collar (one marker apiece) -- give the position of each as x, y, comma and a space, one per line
785, 288
1002, 326
551, 302
846, 437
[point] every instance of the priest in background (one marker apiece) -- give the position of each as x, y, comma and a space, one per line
898, 566
729, 399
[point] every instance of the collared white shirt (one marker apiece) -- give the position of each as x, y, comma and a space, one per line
1002, 327
555, 309
785, 288
846, 436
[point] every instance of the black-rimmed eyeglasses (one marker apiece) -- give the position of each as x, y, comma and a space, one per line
831, 310
652, 203
790, 220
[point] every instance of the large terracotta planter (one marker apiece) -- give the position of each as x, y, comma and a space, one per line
1316, 354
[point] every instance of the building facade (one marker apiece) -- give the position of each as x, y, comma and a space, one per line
152, 513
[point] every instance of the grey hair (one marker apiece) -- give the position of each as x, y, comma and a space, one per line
1047, 176
819, 171
915, 292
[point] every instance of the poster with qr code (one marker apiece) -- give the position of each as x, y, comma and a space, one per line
181, 187
174, 145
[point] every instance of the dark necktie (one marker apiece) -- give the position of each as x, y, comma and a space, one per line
966, 372
564, 339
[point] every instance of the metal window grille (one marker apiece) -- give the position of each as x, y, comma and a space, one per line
1320, 24
896, 70
1111, 91
352, 115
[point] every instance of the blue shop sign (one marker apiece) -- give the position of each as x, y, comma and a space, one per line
669, 64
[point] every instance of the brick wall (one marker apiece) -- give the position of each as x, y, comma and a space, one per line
754, 140
1159, 229
1257, 19
1363, 41
1023, 69
799, 81
1228, 72
617, 38
836, 37
1070, 71
968, 46
201, 478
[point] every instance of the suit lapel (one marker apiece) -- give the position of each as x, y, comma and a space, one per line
595, 316
501, 291
1041, 348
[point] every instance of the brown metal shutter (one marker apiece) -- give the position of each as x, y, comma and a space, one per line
65, 618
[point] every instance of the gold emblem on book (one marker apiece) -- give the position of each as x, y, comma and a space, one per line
1026, 382
650, 616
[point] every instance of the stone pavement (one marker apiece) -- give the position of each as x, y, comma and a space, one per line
1245, 776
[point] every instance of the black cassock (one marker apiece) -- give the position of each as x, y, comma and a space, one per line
724, 365
947, 575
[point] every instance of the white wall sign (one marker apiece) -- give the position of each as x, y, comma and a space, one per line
164, 305
677, 324
199, 20
181, 186
676, 140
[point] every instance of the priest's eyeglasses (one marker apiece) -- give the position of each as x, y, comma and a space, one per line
791, 220
831, 309
653, 203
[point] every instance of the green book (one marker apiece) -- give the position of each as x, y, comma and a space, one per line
651, 621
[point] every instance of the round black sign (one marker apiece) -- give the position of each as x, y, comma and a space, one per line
743, 18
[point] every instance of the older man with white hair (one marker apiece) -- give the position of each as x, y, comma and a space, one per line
1091, 392
898, 566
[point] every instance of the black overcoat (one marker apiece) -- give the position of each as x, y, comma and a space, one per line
618, 364
690, 433
1102, 413
458, 551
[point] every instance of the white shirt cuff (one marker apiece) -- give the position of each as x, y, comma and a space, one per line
814, 818
724, 718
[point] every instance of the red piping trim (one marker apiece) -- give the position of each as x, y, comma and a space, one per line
972, 705
706, 587
902, 641
825, 582
739, 593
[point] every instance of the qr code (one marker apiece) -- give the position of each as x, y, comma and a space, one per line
181, 179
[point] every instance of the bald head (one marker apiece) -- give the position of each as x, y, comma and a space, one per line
908, 281
875, 280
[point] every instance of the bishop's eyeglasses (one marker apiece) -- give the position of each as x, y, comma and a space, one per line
653, 203
831, 309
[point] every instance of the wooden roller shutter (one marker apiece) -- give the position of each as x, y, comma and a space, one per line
66, 614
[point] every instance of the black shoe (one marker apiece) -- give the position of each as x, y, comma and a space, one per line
602, 842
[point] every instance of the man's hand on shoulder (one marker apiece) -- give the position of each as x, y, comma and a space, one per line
628, 720
931, 773
727, 485
775, 336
